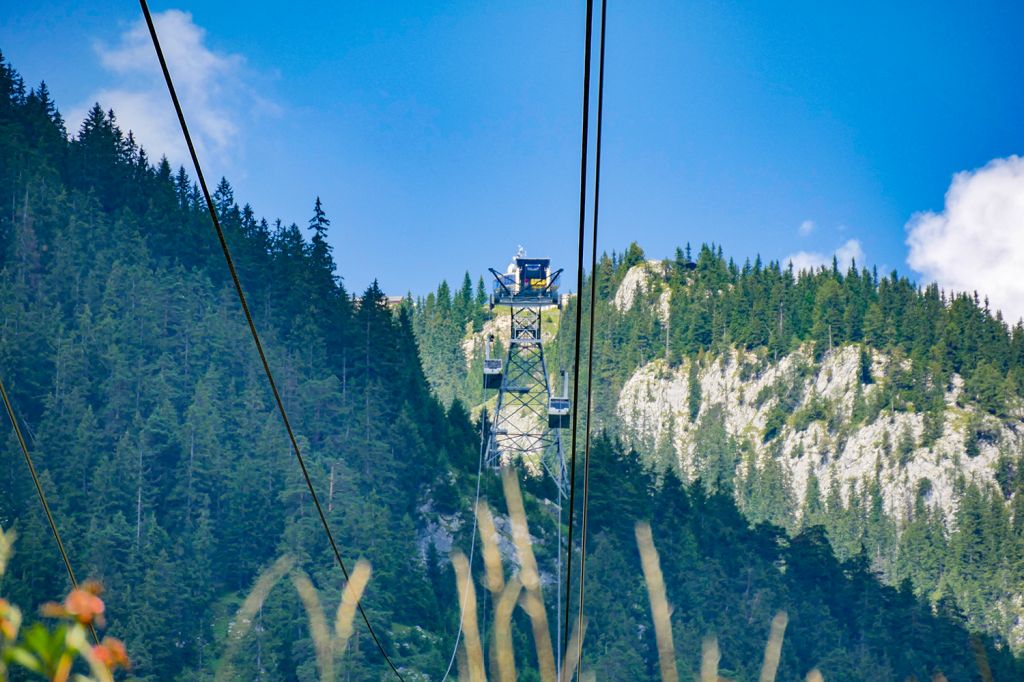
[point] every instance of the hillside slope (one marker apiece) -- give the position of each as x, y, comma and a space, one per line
889, 414
170, 475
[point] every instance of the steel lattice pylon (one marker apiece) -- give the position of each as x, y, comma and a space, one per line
520, 428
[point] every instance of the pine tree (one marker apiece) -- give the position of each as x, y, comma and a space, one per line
716, 453
693, 395
320, 249
829, 307
813, 513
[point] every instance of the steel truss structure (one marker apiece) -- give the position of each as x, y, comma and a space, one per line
519, 428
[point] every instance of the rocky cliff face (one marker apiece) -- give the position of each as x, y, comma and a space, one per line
654, 405
639, 279
816, 430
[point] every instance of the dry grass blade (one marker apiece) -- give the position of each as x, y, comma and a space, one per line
571, 662
533, 601
317, 624
773, 649
243, 618
981, 659
6, 548
461, 664
505, 597
350, 597
534, 607
709, 658
659, 602
471, 635
815, 676
502, 653
491, 553
528, 573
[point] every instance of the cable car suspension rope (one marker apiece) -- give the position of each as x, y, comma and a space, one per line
41, 495
590, 349
252, 326
472, 546
579, 309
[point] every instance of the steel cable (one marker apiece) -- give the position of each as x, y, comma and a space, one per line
472, 547
252, 325
579, 310
590, 348
42, 496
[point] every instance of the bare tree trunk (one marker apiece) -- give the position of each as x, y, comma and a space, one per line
330, 491
191, 461
138, 502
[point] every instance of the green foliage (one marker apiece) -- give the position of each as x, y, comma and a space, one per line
717, 565
985, 387
716, 452
788, 393
977, 431
53, 652
441, 322
817, 408
718, 305
905, 446
813, 513
934, 423
693, 390
827, 318
766, 493
157, 438
865, 366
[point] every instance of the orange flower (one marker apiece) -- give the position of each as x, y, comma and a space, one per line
111, 653
10, 620
83, 605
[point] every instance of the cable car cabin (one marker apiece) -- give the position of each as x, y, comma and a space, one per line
533, 275
492, 373
529, 281
559, 413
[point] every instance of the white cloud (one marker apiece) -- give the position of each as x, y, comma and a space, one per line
977, 241
846, 254
806, 227
211, 86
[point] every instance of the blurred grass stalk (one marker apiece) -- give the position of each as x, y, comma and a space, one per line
651, 565
522, 589
533, 601
326, 646
470, 631
661, 613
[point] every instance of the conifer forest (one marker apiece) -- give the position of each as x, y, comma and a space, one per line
163, 457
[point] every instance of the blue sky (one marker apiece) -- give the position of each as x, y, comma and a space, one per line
441, 135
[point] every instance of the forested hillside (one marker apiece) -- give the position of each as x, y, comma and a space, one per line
889, 413
172, 481
167, 466
442, 320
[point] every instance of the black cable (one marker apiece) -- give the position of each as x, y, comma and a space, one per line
579, 310
590, 349
252, 325
472, 544
42, 495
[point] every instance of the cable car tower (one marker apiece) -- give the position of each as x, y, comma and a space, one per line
528, 419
